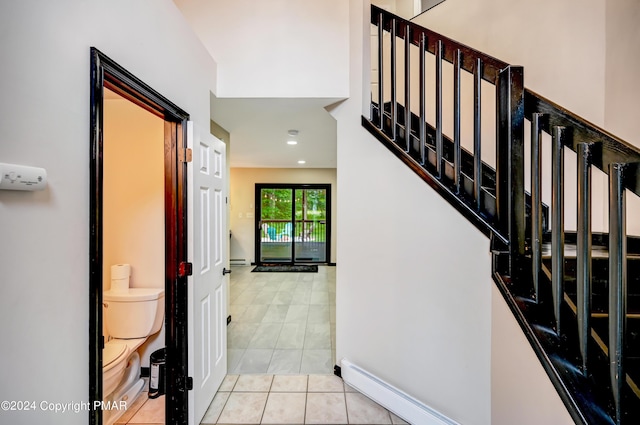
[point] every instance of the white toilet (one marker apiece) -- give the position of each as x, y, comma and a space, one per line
131, 316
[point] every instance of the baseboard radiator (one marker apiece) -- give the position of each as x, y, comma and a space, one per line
238, 262
391, 398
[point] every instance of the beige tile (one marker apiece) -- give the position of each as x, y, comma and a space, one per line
325, 384
396, 420
326, 408
151, 412
254, 360
215, 408
284, 408
253, 383
362, 410
289, 383
243, 408
228, 383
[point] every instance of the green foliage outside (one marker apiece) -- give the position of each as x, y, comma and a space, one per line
310, 204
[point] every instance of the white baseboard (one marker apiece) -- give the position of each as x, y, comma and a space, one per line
391, 398
239, 262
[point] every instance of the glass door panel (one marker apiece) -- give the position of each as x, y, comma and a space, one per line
310, 236
276, 229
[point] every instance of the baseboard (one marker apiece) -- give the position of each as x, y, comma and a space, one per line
391, 398
238, 262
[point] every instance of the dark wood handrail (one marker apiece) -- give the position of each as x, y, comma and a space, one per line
491, 68
614, 150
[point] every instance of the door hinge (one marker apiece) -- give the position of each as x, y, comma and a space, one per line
188, 383
186, 155
185, 269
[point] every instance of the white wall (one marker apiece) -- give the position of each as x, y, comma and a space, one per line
44, 121
281, 48
623, 60
560, 44
521, 392
242, 199
133, 220
133, 195
399, 277
622, 100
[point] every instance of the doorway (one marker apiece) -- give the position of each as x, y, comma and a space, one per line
106, 74
293, 223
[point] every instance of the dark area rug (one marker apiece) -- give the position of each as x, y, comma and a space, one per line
286, 268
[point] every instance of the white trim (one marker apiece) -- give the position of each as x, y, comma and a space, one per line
390, 397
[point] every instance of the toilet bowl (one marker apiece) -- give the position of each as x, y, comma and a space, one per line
131, 316
114, 362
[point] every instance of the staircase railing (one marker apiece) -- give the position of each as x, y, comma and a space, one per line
587, 367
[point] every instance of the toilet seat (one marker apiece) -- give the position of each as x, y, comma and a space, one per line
112, 354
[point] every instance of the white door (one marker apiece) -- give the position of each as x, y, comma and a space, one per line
207, 291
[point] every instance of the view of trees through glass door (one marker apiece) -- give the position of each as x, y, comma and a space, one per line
293, 223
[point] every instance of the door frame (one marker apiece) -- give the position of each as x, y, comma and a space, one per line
293, 187
107, 73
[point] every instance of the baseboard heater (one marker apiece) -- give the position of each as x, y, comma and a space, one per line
391, 398
238, 262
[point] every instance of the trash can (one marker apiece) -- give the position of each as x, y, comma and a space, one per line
157, 362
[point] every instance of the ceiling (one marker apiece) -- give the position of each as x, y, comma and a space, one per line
259, 131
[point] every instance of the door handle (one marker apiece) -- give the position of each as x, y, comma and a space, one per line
225, 271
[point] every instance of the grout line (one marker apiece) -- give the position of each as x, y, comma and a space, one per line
224, 405
344, 396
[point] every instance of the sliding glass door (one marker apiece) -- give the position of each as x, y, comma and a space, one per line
293, 223
275, 225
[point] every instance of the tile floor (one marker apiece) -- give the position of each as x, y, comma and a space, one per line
144, 411
281, 353
275, 399
293, 399
282, 322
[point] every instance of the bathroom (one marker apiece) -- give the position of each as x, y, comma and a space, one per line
133, 244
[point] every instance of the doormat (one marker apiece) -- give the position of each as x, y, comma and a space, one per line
286, 268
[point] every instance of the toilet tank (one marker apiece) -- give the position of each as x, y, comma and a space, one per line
136, 313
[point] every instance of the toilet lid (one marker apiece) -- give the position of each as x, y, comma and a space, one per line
134, 294
112, 351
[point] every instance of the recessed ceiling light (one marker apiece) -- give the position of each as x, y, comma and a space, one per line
302, 161
292, 132
291, 142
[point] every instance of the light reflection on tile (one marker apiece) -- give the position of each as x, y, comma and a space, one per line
303, 303
285, 361
215, 408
